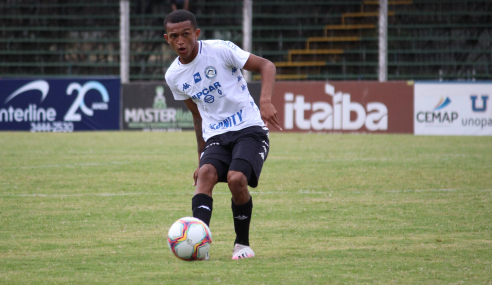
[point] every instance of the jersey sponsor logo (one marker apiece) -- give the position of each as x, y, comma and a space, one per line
186, 86
206, 91
197, 77
210, 72
209, 99
230, 121
227, 44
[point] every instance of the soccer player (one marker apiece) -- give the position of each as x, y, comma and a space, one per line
231, 131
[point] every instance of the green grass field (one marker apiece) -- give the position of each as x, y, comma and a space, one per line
94, 208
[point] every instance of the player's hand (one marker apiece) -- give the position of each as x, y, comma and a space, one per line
269, 115
195, 176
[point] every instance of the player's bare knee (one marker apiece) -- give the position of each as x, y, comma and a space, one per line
208, 173
237, 181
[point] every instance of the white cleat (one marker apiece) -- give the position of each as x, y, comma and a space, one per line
242, 251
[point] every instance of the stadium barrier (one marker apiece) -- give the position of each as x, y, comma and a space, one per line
421, 108
453, 108
60, 105
345, 107
151, 107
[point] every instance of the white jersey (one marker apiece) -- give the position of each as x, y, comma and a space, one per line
213, 80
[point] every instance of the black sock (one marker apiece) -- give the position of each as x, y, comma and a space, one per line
202, 206
242, 219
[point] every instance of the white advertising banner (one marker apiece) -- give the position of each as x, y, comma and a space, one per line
453, 109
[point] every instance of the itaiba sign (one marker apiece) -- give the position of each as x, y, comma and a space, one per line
453, 108
345, 107
60, 105
151, 107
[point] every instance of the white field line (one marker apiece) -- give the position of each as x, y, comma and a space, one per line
79, 195
72, 165
138, 194
446, 156
428, 190
302, 192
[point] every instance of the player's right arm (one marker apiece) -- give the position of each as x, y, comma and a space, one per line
197, 123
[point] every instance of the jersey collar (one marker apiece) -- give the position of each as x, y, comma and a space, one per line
199, 52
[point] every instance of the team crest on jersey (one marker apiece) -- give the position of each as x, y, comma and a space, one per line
209, 99
197, 77
210, 72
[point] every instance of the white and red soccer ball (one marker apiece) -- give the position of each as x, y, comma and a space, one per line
189, 239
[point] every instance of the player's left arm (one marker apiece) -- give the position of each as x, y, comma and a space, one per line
268, 71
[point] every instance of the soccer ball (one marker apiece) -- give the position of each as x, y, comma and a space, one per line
189, 239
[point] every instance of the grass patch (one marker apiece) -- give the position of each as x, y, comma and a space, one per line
95, 207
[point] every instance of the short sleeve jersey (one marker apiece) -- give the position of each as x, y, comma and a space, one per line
213, 80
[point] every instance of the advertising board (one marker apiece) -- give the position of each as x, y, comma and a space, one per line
60, 105
151, 107
345, 107
453, 108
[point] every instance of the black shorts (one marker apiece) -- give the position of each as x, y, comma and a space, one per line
244, 150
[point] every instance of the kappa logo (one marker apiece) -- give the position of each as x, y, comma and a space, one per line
234, 69
241, 217
197, 77
186, 86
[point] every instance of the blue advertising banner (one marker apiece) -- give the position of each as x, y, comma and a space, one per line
60, 105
